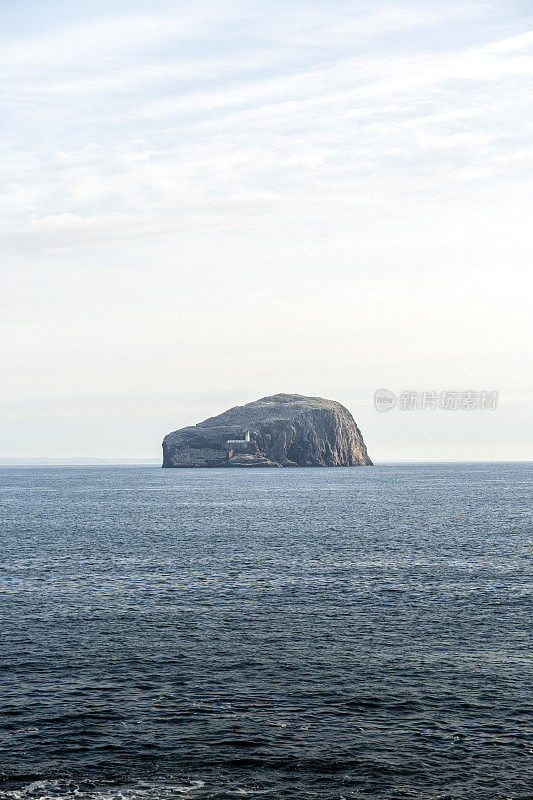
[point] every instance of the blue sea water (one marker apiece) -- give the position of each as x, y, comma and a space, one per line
312, 633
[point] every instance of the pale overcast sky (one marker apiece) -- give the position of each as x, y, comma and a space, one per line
205, 203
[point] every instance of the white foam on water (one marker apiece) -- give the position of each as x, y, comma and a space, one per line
70, 790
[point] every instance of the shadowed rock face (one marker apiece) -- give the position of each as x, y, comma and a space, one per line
286, 430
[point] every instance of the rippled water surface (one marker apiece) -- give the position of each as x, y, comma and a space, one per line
315, 633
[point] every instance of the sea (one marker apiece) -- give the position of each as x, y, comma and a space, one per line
270, 633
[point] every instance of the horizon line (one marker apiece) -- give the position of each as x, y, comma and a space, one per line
95, 461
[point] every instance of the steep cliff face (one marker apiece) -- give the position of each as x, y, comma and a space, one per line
285, 430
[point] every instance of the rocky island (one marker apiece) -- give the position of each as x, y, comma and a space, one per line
284, 430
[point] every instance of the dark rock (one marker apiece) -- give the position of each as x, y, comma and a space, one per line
285, 430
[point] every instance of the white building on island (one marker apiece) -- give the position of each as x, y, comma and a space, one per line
240, 441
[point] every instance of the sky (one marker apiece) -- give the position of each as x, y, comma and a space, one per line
206, 203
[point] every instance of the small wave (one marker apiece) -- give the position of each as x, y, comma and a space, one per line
71, 790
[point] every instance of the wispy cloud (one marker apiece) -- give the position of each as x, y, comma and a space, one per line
159, 110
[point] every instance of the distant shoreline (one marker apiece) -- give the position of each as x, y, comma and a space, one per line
76, 462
